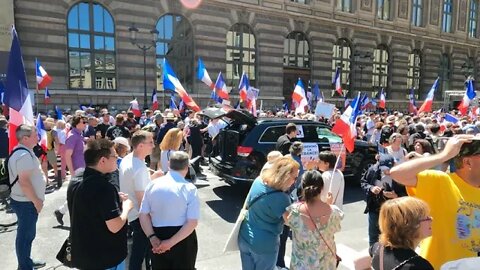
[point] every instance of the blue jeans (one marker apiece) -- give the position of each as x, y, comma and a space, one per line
139, 247
120, 266
27, 217
254, 261
373, 229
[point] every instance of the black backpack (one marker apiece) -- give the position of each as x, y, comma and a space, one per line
5, 183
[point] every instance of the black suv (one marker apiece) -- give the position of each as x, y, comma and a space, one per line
241, 148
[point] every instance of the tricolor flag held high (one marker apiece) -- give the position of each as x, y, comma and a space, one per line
171, 80
299, 97
427, 104
135, 108
467, 98
47, 96
154, 100
382, 102
16, 91
221, 87
345, 127
337, 82
41, 133
202, 75
243, 87
43, 79
412, 106
173, 105
315, 97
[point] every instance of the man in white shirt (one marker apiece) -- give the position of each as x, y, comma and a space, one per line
331, 184
134, 177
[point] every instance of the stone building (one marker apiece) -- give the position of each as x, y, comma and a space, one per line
392, 44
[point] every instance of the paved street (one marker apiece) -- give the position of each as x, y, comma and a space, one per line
220, 206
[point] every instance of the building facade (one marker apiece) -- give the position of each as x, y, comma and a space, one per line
396, 45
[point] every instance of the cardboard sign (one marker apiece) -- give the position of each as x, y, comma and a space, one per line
336, 148
310, 155
324, 110
300, 133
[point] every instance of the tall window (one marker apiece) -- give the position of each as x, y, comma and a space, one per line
91, 47
414, 70
175, 43
447, 16
296, 51
301, 1
417, 12
472, 19
383, 9
344, 5
241, 54
341, 58
445, 72
380, 67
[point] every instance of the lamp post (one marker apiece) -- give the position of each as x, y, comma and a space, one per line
144, 47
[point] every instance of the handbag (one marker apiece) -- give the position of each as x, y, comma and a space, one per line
321, 236
64, 255
232, 241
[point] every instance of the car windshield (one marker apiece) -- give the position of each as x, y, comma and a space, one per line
324, 132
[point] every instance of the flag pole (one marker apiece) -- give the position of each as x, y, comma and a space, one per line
335, 168
36, 97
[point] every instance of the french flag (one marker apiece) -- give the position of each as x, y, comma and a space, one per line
203, 76
173, 105
365, 102
474, 112
427, 105
314, 98
17, 97
382, 103
221, 87
43, 79
47, 96
181, 106
285, 106
450, 118
345, 127
58, 112
170, 80
337, 82
243, 87
41, 133
298, 96
135, 108
467, 98
154, 100
412, 106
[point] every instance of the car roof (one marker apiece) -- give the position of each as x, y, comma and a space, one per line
287, 120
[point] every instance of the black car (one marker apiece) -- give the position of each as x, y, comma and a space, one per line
241, 148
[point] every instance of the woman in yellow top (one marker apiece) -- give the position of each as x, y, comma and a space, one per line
171, 142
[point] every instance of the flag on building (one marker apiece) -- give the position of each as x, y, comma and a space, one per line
154, 100
47, 96
299, 97
221, 87
467, 98
345, 126
382, 102
243, 87
135, 108
43, 79
172, 104
427, 104
41, 133
58, 112
202, 75
337, 82
412, 105
171, 80
17, 97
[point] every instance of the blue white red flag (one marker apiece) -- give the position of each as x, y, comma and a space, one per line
17, 97
467, 98
315, 97
135, 108
337, 82
412, 105
214, 97
43, 79
172, 104
154, 100
427, 104
202, 74
41, 133
450, 118
171, 80
345, 126
221, 87
243, 87
47, 96
382, 102
299, 97
181, 106
285, 106
58, 112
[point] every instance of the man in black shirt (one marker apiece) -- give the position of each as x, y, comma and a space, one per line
98, 212
119, 130
104, 124
285, 141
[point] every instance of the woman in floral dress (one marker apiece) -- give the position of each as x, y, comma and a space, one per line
310, 221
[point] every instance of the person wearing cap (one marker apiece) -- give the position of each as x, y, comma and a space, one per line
165, 127
379, 187
454, 199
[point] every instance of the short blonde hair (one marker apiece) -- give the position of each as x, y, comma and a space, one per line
399, 222
278, 176
172, 140
273, 155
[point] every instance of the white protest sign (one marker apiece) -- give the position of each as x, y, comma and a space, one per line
309, 154
324, 109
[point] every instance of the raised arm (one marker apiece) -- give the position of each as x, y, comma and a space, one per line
406, 173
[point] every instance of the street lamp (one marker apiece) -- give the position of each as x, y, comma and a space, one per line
144, 47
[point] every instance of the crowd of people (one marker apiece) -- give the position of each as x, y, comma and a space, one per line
125, 173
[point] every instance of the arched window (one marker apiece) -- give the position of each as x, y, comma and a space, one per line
296, 51
175, 43
342, 56
380, 67
240, 54
414, 70
445, 72
91, 47
473, 19
417, 12
447, 12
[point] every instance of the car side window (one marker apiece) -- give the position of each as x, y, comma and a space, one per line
324, 133
310, 134
271, 134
